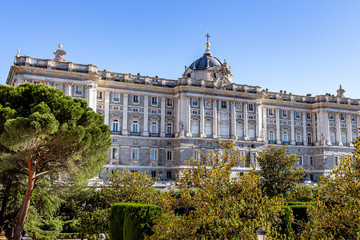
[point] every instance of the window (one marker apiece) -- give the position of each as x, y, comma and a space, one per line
331, 116
169, 128
153, 174
153, 127
309, 139
223, 104
169, 155
284, 113
134, 126
271, 135
169, 102
36, 83
194, 102
99, 95
168, 174
336, 161
308, 116
251, 107
298, 138
58, 86
135, 110
115, 125
116, 108
153, 155
153, 111
78, 90
114, 140
353, 118
169, 112
285, 136
297, 115
135, 99
342, 117
154, 100
271, 113
311, 161
114, 153
134, 154
300, 161
343, 137
116, 97
332, 137
196, 155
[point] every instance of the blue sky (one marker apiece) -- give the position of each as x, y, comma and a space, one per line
301, 46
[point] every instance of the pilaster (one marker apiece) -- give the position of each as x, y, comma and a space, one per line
202, 123
233, 120
146, 116
215, 128
125, 115
292, 126
278, 137
162, 123
106, 108
246, 123
304, 128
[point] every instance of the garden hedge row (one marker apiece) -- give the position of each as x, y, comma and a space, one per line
298, 210
132, 221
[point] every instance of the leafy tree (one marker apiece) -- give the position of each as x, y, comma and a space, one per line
335, 213
301, 193
43, 132
215, 205
278, 174
121, 186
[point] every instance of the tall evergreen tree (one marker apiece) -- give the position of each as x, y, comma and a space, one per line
44, 133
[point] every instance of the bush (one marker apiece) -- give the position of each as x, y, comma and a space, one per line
295, 214
130, 221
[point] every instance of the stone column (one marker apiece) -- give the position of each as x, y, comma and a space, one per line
338, 129
87, 94
146, 116
278, 137
318, 130
125, 115
202, 119
177, 109
246, 123
162, 123
188, 117
233, 120
215, 132
304, 128
259, 122
349, 129
314, 136
327, 128
264, 124
107, 108
292, 126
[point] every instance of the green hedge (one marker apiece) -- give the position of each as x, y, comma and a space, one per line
298, 210
132, 221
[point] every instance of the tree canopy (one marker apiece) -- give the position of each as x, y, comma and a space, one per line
278, 172
42, 133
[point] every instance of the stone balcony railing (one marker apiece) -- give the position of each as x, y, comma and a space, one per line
185, 81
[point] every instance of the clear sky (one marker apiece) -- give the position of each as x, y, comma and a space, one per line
301, 46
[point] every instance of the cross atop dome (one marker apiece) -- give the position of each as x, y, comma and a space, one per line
207, 50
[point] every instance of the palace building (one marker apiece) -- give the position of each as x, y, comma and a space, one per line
156, 124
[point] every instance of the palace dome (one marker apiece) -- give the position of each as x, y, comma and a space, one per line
205, 62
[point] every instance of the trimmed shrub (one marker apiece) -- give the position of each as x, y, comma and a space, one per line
295, 214
132, 221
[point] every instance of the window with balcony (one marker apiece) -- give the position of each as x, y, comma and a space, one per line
135, 99
99, 95
116, 97
154, 128
342, 117
169, 129
135, 126
271, 112
78, 90
154, 100
169, 155
297, 115
115, 125
194, 102
284, 113
251, 107
169, 102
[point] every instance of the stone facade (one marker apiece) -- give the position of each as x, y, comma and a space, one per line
156, 124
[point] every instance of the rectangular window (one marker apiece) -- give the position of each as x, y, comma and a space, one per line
331, 116
311, 161
114, 153
169, 128
300, 160
284, 113
135, 99
169, 155
297, 114
353, 118
36, 83
298, 138
116, 97
251, 107
168, 174
308, 116
196, 155
154, 100
336, 161
115, 125
342, 117
135, 110
169, 102
99, 95
134, 154
271, 113
58, 86
223, 104
153, 174
194, 102
78, 90
169, 113
153, 155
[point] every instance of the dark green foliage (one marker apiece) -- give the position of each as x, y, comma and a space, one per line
278, 174
132, 221
295, 215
